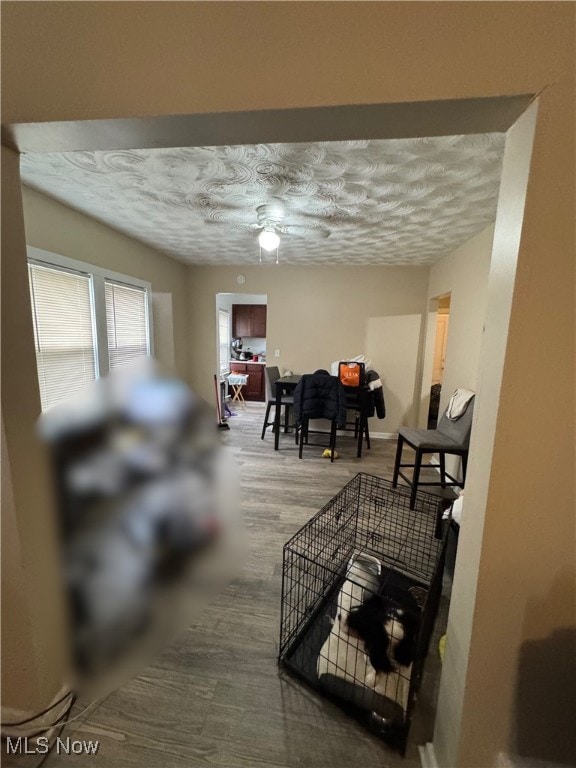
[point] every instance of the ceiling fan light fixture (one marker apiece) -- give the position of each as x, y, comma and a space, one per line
269, 239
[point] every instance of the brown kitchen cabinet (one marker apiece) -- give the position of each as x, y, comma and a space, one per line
258, 317
255, 381
241, 320
255, 388
249, 320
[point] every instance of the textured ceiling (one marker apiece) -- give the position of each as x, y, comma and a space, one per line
402, 201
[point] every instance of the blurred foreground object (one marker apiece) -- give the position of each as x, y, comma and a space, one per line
148, 514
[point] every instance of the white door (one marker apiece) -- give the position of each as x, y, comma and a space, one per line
440, 347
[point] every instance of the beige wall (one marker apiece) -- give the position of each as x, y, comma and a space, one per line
367, 53
519, 615
20, 665
464, 275
59, 229
64, 61
317, 315
33, 637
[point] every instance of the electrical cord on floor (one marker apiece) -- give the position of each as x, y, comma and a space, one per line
62, 721
40, 714
64, 715
64, 724
63, 718
86, 708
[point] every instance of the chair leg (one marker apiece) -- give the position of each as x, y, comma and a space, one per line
397, 461
276, 428
332, 440
286, 413
367, 436
303, 428
266, 422
415, 478
442, 469
464, 467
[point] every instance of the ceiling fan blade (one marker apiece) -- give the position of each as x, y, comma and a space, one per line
305, 230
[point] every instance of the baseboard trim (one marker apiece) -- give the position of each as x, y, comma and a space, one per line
428, 756
384, 435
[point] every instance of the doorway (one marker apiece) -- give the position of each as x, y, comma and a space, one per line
241, 340
261, 127
440, 344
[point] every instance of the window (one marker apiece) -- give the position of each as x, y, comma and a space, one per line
127, 323
63, 331
224, 340
86, 321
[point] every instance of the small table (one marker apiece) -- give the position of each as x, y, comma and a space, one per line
237, 381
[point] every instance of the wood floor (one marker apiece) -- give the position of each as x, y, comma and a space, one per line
216, 698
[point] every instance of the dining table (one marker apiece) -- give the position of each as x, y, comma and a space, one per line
359, 398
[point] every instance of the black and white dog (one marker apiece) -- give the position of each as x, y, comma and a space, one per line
373, 633
388, 625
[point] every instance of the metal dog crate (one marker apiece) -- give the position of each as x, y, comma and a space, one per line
367, 519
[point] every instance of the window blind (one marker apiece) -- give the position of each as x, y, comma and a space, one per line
63, 331
127, 323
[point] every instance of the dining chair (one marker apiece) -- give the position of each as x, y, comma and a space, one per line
287, 401
356, 405
319, 396
450, 437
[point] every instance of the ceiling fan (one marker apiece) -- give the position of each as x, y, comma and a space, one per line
271, 223
270, 217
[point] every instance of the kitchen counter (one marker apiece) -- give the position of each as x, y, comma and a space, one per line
249, 362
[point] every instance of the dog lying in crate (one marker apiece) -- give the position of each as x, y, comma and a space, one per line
372, 641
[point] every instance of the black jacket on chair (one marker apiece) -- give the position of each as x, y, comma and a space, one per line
377, 395
368, 399
320, 396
